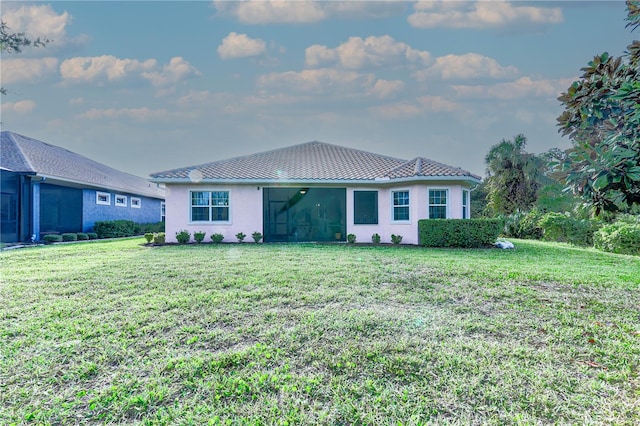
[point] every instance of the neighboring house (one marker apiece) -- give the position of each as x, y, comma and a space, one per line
48, 189
314, 192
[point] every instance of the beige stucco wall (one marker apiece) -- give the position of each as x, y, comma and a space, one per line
246, 210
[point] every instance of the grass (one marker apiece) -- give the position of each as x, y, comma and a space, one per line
114, 332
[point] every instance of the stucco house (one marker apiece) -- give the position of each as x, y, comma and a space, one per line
48, 189
314, 192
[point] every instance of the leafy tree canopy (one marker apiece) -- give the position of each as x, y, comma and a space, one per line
15, 42
602, 119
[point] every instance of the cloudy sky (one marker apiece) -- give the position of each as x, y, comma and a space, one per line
145, 86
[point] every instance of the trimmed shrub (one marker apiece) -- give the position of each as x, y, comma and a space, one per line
52, 238
82, 236
217, 238
564, 228
151, 228
375, 238
92, 235
396, 239
621, 237
351, 238
523, 225
159, 238
69, 236
199, 236
183, 236
257, 236
115, 228
240, 236
149, 237
458, 232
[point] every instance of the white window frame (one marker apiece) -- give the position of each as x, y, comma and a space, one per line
124, 197
393, 206
136, 203
446, 205
466, 196
210, 206
163, 211
103, 194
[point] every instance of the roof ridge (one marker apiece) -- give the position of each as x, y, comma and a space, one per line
15, 142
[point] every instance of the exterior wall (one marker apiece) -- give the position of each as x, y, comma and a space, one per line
149, 211
246, 210
10, 211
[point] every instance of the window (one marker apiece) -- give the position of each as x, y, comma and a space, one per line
135, 203
465, 204
103, 198
365, 207
162, 211
438, 203
400, 205
210, 206
121, 201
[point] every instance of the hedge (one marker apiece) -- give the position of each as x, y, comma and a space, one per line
125, 228
52, 238
458, 232
561, 227
619, 237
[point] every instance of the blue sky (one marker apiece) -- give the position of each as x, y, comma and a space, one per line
147, 86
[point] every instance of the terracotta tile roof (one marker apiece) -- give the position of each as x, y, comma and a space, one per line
311, 161
26, 155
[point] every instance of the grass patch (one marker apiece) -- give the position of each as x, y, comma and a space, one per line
318, 334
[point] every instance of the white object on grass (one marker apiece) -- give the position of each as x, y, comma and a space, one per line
504, 244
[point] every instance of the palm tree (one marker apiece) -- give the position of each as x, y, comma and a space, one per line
513, 176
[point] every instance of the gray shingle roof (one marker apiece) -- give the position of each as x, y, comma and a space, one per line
313, 161
26, 155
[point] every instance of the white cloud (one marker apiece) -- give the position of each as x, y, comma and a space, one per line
176, 70
138, 114
387, 88
319, 81
524, 87
40, 21
20, 107
481, 14
100, 68
272, 11
422, 105
240, 46
19, 69
372, 51
464, 67
76, 101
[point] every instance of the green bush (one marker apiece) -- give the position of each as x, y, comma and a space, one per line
375, 238
52, 238
217, 238
82, 236
257, 236
622, 236
159, 238
523, 225
115, 228
69, 236
564, 228
458, 232
351, 238
396, 239
151, 228
149, 237
199, 236
92, 235
240, 236
183, 236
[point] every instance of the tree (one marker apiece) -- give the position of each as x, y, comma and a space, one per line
15, 42
513, 176
602, 119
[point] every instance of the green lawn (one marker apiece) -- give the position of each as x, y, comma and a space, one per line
115, 332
